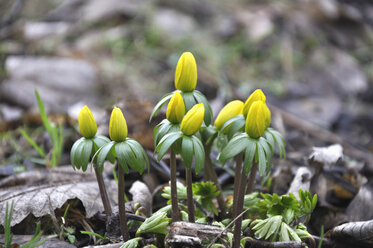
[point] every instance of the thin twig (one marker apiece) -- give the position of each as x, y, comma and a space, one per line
226, 228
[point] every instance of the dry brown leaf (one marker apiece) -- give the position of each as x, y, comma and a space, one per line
43, 200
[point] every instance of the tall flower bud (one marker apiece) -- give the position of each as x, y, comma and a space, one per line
118, 127
256, 120
257, 95
87, 123
193, 119
186, 73
230, 110
175, 108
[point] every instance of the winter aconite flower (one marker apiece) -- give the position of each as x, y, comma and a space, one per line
230, 110
186, 73
257, 95
176, 108
256, 120
118, 127
87, 123
192, 121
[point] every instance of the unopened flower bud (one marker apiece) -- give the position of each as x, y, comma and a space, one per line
87, 123
176, 108
118, 127
186, 73
193, 119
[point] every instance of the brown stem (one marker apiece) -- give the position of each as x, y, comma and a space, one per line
122, 207
175, 214
250, 183
237, 172
103, 193
214, 178
190, 203
239, 208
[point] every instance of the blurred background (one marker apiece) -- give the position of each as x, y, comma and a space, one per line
313, 58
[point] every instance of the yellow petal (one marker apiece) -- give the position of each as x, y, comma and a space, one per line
87, 123
176, 108
257, 95
256, 119
193, 119
186, 73
229, 111
118, 126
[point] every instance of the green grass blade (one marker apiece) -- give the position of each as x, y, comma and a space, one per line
36, 147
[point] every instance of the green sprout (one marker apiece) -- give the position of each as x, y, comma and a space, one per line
253, 147
191, 146
205, 192
128, 152
84, 148
280, 215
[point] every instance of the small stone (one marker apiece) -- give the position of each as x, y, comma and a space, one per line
38, 30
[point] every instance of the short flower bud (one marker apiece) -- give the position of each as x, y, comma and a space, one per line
229, 111
87, 123
186, 73
193, 119
176, 108
257, 95
256, 121
118, 127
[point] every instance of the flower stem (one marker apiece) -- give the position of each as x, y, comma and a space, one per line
175, 209
236, 190
103, 193
190, 203
250, 184
239, 208
122, 208
214, 178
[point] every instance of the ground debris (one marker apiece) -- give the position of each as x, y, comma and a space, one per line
41, 200
191, 234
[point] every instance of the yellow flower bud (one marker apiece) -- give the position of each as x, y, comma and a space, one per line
87, 123
176, 108
186, 73
257, 95
193, 119
118, 127
230, 110
256, 120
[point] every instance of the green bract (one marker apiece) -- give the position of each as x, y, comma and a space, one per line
129, 153
162, 129
191, 147
190, 99
260, 150
83, 150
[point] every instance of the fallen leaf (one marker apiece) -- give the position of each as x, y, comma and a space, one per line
42, 200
